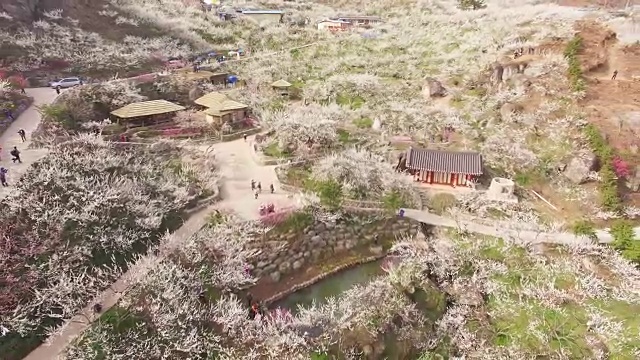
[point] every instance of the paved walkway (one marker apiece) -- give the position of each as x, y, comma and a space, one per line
526, 236
28, 121
238, 168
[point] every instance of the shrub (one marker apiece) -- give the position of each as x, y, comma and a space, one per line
608, 186
442, 202
624, 240
363, 123
575, 71
584, 228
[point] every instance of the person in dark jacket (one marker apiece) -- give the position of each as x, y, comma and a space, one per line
3, 176
23, 135
16, 155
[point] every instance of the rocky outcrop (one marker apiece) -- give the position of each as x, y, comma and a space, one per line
579, 167
283, 252
433, 88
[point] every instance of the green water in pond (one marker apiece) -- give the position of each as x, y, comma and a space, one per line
332, 286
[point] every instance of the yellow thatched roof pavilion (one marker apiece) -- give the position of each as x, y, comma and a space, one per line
281, 84
221, 109
217, 102
146, 108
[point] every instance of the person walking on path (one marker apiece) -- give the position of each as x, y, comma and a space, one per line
255, 193
615, 73
253, 185
3, 176
23, 135
22, 90
58, 89
245, 137
16, 155
9, 115
259, 186
272, 188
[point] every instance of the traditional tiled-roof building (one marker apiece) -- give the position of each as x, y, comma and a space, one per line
444, 167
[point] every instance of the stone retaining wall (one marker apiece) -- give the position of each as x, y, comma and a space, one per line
286, 251
293, 289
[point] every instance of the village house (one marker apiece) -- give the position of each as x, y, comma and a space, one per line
219, 109
146, 113
264, 16
455, 168
333, 25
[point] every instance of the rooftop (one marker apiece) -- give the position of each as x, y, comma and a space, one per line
218, 103
358, 17
281, 83
459, 162
146, 108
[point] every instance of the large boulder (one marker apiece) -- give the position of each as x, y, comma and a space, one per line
433, 88
579, 167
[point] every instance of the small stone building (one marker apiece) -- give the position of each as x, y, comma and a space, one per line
455, 168
146, 113
502, 189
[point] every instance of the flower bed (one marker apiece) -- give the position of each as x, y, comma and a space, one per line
74, 222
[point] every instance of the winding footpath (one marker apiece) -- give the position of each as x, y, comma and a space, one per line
238, 168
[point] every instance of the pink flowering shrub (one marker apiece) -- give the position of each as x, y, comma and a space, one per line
621, 167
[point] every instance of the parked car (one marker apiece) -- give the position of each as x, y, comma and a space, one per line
66, 82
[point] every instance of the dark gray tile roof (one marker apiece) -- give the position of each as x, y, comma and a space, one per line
463, 162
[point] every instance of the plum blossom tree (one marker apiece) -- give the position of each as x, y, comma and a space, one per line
363, 175
304, 126
77, 218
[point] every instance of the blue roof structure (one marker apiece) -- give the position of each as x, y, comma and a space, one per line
262, 12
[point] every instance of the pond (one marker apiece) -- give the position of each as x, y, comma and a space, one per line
332, 286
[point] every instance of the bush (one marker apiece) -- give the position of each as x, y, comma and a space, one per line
608, 186
624, 240
584, 228
363, 123
330, 193
442, 202
575, 71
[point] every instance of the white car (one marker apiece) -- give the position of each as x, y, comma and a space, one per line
66, 83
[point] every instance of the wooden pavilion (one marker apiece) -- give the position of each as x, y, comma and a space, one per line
444, 167
146, 113
219, 109
282, 87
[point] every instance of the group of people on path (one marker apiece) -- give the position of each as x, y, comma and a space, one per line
15, 153
257, 188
